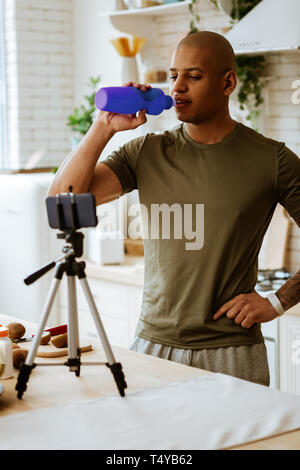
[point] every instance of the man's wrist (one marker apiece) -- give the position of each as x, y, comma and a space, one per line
100, 124
273, 299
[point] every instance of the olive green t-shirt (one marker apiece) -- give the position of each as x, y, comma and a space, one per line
236, 185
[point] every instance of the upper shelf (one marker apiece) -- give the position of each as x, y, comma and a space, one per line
168, 8
141, 22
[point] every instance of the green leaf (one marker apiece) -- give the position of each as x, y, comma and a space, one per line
250, 70
82, 117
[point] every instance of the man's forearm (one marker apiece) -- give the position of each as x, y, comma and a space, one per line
289, 293
78, 168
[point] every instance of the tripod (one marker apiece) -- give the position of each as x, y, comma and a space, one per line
67, 264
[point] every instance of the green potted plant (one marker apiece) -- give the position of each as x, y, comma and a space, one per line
250, 68
82, 118
195, 18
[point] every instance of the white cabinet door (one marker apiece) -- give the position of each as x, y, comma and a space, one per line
135, 296
290, 354
118, 306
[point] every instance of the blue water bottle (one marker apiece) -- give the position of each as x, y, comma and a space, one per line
129, 100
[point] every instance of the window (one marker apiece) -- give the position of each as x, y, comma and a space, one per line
2, 91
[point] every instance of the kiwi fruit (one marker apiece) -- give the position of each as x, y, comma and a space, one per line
60, 341
19, 356
45, 338
16, 330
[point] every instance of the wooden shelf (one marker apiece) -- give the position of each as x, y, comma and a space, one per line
166, 9
140, 22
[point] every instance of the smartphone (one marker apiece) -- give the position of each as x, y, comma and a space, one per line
69, 211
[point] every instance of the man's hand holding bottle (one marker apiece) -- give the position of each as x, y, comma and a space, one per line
122, 122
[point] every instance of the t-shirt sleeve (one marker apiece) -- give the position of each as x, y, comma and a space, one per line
124, 163
288, 181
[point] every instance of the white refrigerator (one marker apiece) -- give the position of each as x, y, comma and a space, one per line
26, 244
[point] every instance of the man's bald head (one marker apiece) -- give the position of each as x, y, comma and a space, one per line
219, 49
202, 76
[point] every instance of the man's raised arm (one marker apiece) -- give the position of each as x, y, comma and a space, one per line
80, 169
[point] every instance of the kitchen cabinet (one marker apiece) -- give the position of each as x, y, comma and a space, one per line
289, 340
270, 331
118, 302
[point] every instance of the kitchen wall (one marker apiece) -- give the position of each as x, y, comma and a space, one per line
94, 55
53, 46
39, 69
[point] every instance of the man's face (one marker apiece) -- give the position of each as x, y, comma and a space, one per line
196, 85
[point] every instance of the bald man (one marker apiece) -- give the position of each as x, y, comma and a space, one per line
199, 305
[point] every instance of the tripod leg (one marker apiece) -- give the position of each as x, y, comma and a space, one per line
101, 332
27, 367
115, 367
73, 332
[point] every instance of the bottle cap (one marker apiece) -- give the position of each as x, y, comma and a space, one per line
3, 332
169, 102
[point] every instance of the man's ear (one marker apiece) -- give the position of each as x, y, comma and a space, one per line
230, 81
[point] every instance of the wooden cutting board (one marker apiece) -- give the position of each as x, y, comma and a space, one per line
48, 350
276, 239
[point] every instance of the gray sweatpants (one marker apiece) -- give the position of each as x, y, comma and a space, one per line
244, 362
